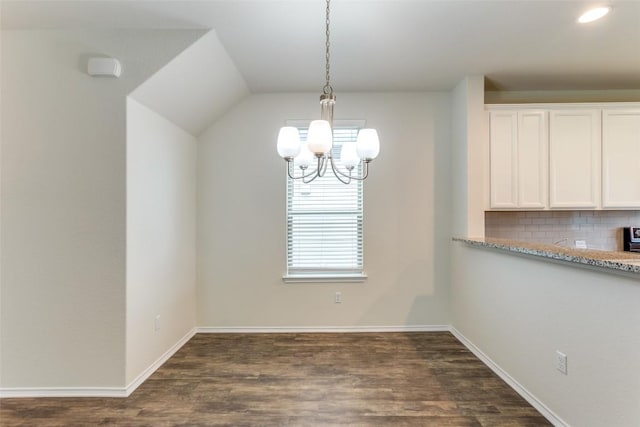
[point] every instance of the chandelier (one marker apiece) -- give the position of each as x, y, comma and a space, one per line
319, 146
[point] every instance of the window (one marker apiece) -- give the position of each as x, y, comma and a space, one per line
324, 222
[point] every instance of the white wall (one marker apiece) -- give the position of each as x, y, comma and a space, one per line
161, 236
469, 167
242, 227
64, 202
459, 159
519, 311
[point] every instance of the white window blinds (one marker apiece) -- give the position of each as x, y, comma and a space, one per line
324, 220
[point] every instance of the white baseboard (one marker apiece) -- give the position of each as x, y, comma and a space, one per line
24, 392
526, 395
318, 329
155, 365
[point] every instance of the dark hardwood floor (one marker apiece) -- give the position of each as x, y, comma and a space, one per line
367, 379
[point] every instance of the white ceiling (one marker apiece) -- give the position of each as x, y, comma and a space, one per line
385, 45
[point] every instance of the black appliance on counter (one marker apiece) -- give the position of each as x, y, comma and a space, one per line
631, 239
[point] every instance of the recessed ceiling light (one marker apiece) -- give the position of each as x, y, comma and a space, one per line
594, 14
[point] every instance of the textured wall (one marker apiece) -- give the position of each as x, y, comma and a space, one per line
161, 236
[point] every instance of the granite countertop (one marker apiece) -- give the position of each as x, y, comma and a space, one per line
622, 261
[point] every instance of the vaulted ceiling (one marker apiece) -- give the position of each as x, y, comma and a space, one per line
384, 45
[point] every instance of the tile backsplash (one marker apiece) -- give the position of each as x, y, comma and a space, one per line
600, 229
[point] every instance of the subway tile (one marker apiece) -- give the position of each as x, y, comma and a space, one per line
599, 228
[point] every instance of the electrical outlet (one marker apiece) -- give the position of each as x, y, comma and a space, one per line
561, 362
581, 244
338, 299
156, 323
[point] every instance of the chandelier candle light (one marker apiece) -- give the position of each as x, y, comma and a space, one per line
319, 145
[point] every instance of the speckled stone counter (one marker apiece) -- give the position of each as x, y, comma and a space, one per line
621, 261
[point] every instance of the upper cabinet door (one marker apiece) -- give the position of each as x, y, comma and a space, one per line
519, 159
574, 158
533, 160
504, 159
621, 158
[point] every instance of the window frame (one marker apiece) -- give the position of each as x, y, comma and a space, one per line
330, 276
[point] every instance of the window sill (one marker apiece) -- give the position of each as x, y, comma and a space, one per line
324, 278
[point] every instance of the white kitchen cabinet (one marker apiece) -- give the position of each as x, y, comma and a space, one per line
519, 159
574, 158
621, 158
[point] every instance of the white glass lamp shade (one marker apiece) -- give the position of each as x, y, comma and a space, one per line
349, 155
305, 158
368, 144
288, 142
320, 137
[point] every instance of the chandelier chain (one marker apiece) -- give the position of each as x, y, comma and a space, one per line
327, 87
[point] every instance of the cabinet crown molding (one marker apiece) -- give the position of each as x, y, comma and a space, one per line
562, 106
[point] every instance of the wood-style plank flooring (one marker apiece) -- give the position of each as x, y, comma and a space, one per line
368, 379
